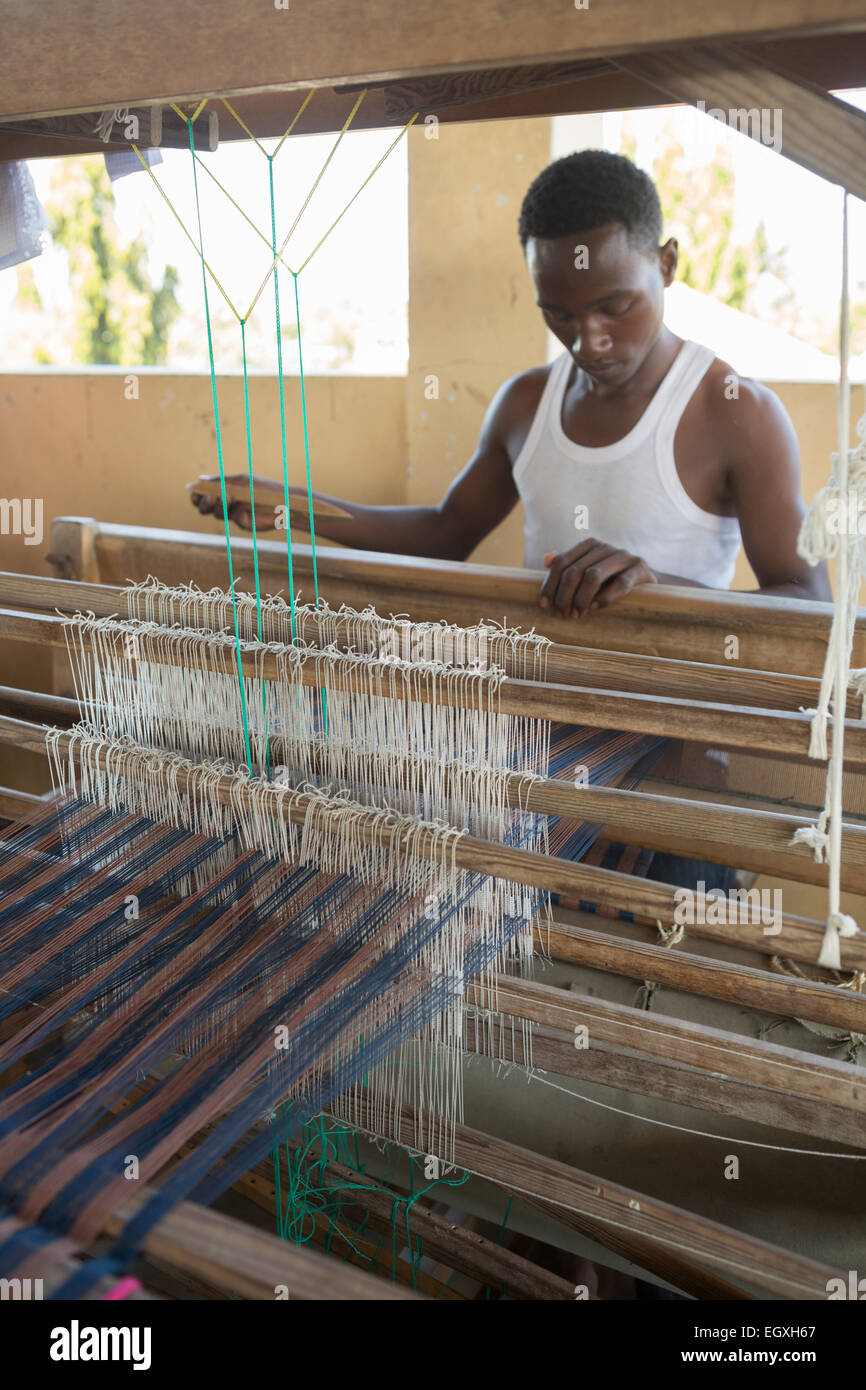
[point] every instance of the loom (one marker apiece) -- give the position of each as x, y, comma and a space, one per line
303, 854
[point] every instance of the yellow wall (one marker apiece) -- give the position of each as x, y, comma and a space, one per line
74, 439
473, 321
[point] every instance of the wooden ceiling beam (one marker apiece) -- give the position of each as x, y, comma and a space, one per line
58, 58
820, 132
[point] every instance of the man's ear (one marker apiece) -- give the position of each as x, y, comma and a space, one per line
669, 255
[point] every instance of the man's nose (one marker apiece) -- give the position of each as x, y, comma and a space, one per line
591, 342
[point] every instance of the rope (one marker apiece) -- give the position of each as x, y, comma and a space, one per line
821, 538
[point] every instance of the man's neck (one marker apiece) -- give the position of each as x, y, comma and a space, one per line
645, 380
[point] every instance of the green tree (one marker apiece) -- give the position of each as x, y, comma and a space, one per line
698, 207
121, 317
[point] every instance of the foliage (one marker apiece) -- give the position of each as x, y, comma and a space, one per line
121, 317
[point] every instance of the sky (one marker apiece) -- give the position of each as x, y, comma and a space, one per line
361, 271
359, 276
801, 213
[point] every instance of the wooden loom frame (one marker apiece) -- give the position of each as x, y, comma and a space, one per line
454, 62
707, 1068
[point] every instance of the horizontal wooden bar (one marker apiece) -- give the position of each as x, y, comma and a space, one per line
15, 805
714, 979
56, 708
771, 731
735, 1254
622, 1069
776, 634
741, 837
89, 63
708, 1049
565, 664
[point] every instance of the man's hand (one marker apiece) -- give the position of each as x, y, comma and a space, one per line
591, 575
206, 495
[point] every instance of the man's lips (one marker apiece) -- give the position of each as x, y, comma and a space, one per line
598, 368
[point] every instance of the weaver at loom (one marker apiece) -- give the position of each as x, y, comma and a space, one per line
302, 857
632, 433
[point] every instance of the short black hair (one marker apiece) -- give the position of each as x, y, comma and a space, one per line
591, 189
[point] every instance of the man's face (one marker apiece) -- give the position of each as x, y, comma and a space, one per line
603, 297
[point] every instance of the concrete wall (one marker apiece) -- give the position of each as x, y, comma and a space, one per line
473, 321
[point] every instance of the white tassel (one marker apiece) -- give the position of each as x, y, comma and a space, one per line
838, 925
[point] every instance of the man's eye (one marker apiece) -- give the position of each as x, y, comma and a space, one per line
620, 309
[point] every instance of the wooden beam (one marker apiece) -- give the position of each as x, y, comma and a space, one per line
778, 732
89, 62
565, 663
632, 1072
34, 705
741, 837
714, 979
760, 1063
825, 135
238, 1259
774, 634
15, 805
249, 1263
830, 61
692, 1237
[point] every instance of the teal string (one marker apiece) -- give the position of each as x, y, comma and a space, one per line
220, 453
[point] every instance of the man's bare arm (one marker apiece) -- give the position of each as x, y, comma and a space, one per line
764, 481
481, 497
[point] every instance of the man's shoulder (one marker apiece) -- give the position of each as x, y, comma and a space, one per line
519, 396
732, 403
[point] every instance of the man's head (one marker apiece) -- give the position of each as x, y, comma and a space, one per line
591, 225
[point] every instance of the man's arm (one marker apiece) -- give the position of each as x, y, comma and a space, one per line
477, 501
764, 481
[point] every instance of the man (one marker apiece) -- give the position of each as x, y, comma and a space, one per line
639, 458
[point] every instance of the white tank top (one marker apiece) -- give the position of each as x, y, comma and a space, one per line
631, 489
